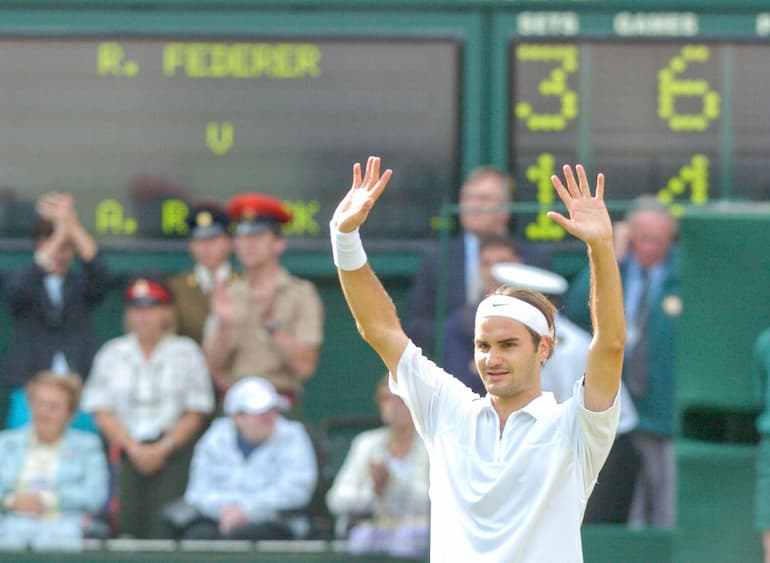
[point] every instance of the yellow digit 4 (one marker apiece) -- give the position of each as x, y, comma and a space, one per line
696, 176
555, 84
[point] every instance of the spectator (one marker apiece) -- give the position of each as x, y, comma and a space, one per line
385, 477
51, 476
269, 322
485, 199
650, 273
150, 393
210, 246
52, 305
251, 468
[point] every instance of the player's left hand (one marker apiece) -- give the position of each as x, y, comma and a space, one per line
588, 219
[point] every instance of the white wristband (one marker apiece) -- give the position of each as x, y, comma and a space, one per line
347, 250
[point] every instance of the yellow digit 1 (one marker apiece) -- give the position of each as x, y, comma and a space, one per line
540, 174
555, 84
696, 176
671, 87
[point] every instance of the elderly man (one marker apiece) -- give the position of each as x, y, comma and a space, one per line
650, 273
250, 467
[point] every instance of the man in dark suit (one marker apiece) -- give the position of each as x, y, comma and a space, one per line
51, 304
210, 247
485, 199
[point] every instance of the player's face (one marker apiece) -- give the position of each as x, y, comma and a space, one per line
506, 357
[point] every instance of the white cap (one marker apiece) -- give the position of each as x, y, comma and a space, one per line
253, 395
529, 277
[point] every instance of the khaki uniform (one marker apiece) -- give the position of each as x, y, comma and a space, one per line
297, 310
192, 305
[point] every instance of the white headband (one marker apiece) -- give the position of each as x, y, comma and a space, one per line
516, 309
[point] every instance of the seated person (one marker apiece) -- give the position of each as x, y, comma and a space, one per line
151, 394
250, 467
385, 476
51, 475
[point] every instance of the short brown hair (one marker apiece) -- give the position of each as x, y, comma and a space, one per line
506, 180
69, 383
540, 302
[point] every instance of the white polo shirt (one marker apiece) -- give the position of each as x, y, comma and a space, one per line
518, 496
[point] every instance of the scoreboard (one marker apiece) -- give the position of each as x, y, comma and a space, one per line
143, 109
666, 103
138, 129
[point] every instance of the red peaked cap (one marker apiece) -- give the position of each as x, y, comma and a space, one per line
146, 290
257, 209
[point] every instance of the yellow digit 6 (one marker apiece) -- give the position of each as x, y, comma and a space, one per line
566, 57
670, 87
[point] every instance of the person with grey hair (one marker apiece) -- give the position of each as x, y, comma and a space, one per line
650, 273
52, 477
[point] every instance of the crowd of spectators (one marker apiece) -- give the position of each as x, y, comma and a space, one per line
198, 405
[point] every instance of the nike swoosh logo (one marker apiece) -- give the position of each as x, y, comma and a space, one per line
499, 304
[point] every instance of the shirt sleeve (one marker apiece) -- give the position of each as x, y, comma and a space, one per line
594, 433
433, 396
97, 394
308, 325
352, 490
199, 396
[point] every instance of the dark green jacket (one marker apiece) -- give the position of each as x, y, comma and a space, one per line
656, 408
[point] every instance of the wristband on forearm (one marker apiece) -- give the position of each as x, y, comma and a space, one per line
347, 249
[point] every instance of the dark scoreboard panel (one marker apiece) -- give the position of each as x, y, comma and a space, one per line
138, 128
670, 104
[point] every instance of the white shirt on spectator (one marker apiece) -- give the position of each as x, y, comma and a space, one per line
148, 397
279, 474
406, 493
518, 495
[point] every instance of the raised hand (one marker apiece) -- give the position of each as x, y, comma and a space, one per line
354, 208
588, 219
